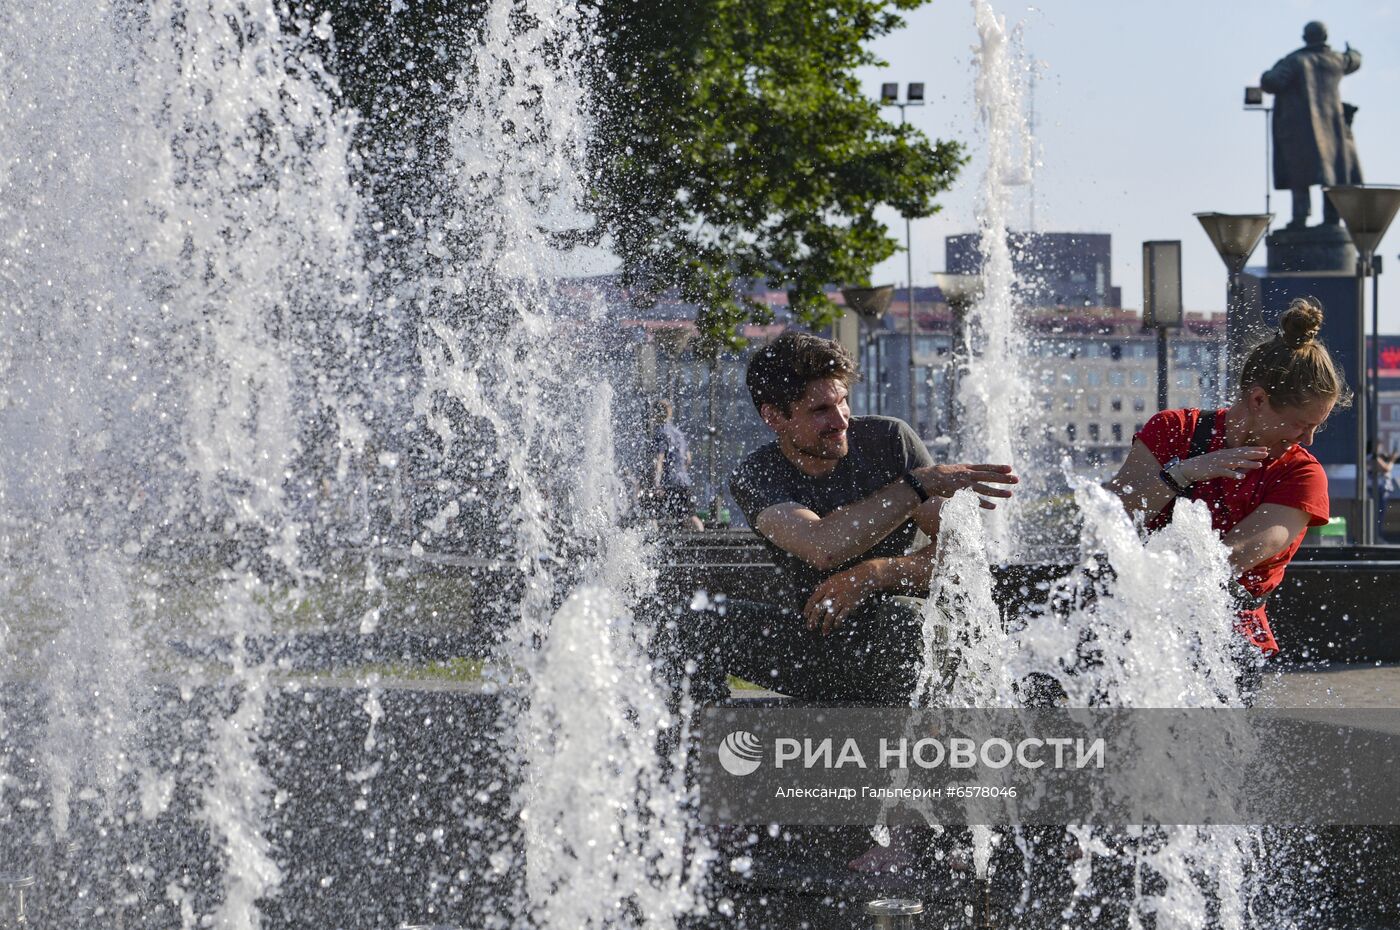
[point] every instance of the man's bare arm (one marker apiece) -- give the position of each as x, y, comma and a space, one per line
908, 575
848, 532
837, 596
842, 535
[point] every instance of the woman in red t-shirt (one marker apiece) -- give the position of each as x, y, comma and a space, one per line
1248, 461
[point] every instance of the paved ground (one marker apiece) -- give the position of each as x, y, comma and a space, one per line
1339, 686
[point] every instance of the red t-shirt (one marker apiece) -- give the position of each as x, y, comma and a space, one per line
1295, 479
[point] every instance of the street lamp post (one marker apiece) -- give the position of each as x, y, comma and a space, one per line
961, 291
1374, 406
1235, 237
1367, 211
913, 97
870, 305
1161, 301
1254, 100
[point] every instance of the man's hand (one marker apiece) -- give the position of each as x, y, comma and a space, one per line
1222, 463
947, 480
836, 597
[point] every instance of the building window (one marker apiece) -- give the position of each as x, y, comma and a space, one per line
1139, 379
1139, 405
1070, 401
1117, 432
1183, 379
1068, 379
1093, 378
1115, 352
1115, 378
1092, 403
1116, 404
1093, 432
1069, 432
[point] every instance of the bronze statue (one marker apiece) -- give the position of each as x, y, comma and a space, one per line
1312, 134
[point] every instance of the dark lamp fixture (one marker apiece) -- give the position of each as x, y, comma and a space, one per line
1235, 235
958, 289
1367, 210
869, 302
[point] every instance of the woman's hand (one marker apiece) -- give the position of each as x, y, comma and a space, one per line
836, 597
1222, 463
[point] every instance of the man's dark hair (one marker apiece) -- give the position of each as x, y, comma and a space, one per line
780, 372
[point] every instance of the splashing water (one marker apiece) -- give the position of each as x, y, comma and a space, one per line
64, 542
1161, 627
187, 299
177, 206
992, 392
1139, 624
256, 243
1163, 632
602, 825
960, 609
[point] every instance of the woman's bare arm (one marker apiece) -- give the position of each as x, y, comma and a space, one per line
1263, 534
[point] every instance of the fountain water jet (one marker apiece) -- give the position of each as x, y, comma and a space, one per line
1160, 624
188, 296
603, 825
991, 391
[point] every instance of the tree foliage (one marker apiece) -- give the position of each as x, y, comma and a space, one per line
736, 145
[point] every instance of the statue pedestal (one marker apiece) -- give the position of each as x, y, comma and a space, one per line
1326, 249
1264, 297
1318, 262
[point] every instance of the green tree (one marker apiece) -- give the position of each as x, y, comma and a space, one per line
736, 145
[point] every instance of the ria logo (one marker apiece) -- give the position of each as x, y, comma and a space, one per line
741, 753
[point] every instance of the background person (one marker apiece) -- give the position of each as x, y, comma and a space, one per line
1380, 467
671, 491
1249, 464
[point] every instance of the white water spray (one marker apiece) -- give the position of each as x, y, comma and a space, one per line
180, 245
993, 396
1162, 630
603, 829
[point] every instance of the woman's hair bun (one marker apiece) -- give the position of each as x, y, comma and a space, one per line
1301, 322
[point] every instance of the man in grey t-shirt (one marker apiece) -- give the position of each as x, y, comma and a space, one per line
839, 501
881, 450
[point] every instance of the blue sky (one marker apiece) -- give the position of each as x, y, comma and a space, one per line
1140, 121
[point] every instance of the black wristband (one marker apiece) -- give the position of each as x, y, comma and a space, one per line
913, 482
1167, 479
